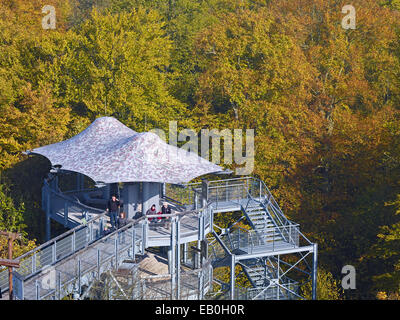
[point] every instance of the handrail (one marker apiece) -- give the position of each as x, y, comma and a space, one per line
62, 236
270, 196
61, 195
214, 181
79, 190
205, 267
254, 239
304, 237
266, 210
71, 231
231, 185
271, 201
176, 202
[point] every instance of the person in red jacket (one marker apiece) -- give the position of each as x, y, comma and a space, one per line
151, 211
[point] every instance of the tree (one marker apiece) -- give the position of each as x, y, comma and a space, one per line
327, 287
11, 219
116, 64
32, 122
247, 80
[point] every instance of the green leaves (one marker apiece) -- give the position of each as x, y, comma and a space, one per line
327, 287
118, 64
11, 218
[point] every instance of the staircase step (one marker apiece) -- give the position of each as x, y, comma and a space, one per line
260, 218
264, 227
268, 231
259, 269
256, 277
259, 221
253, 209
255, 215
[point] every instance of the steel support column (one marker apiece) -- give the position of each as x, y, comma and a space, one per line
314, 272
59, 285
133, 243
232, 282
98, 264
185, 252
79, 277
178, 259
48, 208
37, 290
172, 257
66, 214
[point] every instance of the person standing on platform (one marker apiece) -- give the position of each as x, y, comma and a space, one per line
166, 210
113, 206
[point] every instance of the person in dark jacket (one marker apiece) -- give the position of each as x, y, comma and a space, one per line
113, 206
165, 209
122, 220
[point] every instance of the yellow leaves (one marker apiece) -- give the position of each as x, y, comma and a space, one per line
382, 295
27, 15
247, 63
37, 122
19, 247
118, 66
223, 274
328, 287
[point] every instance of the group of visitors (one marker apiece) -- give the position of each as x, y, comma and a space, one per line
119, 220
165, 209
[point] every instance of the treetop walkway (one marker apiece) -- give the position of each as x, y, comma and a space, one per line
79, 257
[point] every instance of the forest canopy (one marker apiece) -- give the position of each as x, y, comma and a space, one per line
324, 102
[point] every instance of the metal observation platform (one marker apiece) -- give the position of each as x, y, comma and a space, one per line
264, 257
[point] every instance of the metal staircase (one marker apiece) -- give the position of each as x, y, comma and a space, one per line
256, 272
271, 236
257, 216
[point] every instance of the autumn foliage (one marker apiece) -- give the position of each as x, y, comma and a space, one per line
324, 103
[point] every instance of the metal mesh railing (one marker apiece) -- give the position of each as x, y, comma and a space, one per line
105, 254
194, 284
259, 192
67, 209
287, 291
215, 251
57, 249
181, 195
272, 239
3, 278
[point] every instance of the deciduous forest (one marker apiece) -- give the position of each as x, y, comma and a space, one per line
324, 102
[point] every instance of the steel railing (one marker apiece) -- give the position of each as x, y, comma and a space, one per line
271, 239
125, 243
61, 206
81, 237
56, 249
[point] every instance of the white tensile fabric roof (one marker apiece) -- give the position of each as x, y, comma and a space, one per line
108, 151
